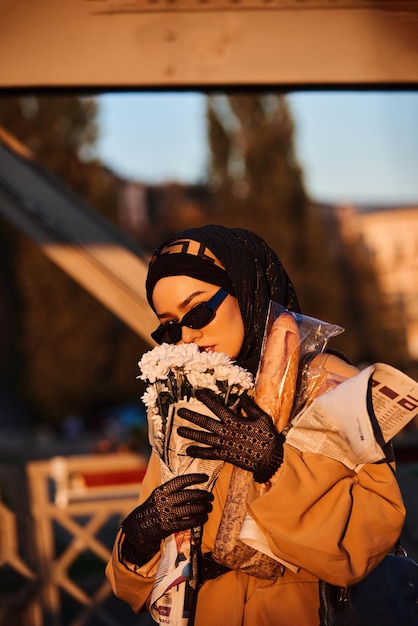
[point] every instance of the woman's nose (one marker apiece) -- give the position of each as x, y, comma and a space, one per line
189, 335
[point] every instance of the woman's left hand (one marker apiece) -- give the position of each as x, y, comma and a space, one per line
251, 442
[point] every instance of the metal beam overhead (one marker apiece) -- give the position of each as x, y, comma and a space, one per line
169, 44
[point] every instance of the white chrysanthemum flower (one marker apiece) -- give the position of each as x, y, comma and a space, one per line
222, 372
176, 356
158, 372
203, 380
153, 365
197, 364
217, 360
174, 371
180, 356
151, 394
238, 376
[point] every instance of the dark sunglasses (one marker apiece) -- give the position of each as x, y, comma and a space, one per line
198, 317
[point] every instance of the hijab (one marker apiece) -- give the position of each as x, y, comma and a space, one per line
236, 259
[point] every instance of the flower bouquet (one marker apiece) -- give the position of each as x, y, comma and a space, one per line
173, 373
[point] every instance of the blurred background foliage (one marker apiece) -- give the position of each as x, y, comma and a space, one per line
63, 353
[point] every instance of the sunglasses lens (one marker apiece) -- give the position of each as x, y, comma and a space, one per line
173, 333
167, 333
198, 317
195, 318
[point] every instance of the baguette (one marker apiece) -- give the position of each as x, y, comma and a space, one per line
275, 385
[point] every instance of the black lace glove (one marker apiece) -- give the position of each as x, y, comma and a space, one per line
251, 442
170, 508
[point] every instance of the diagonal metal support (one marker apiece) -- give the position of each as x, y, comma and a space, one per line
76, 238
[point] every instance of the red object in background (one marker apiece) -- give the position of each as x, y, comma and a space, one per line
120, 477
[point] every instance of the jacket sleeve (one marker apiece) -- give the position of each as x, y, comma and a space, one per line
329, 520
129, 582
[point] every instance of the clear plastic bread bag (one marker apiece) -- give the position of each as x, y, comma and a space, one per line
285, 381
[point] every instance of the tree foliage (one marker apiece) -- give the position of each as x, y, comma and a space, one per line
64, 352
260, 184
75, 353
257, 173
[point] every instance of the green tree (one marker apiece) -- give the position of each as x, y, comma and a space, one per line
76, 354
260, 186
260, 183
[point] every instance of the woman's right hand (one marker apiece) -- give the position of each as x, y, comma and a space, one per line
170, 508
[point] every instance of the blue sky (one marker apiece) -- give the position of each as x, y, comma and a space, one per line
359, 147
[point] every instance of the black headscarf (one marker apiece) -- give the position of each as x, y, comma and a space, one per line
253, 268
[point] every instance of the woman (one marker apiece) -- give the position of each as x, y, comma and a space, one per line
325, 520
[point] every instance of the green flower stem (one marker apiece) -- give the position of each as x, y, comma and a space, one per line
160, 404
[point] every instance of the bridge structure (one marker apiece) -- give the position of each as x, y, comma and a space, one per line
97, 46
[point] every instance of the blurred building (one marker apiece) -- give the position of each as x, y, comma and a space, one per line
148, 214
390, 237
132, 207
